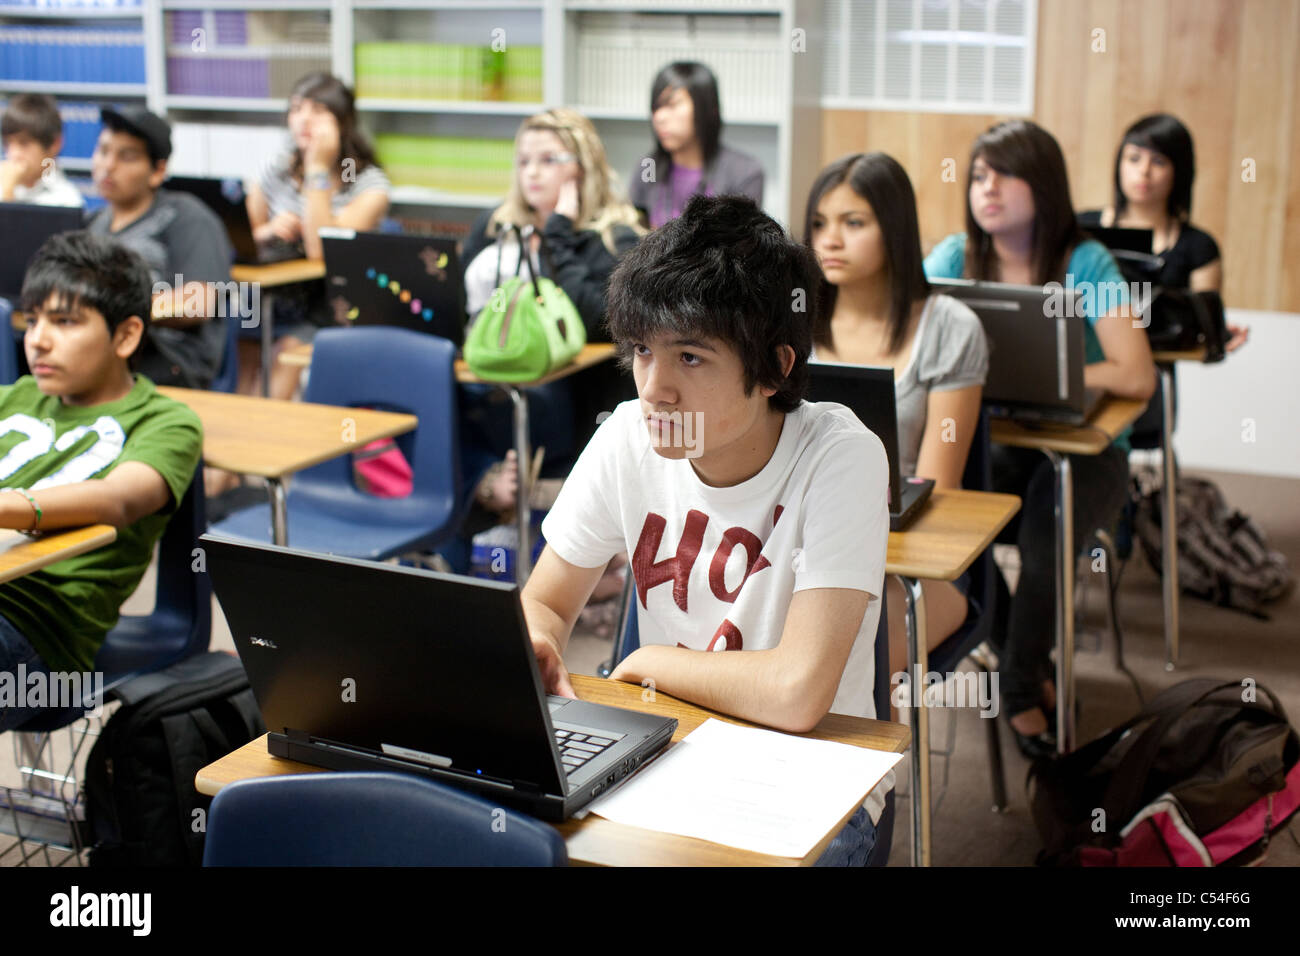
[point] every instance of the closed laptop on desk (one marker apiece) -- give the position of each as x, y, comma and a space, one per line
365, 666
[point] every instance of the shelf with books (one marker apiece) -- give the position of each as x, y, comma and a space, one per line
234, 104
481, 107
55, 88
70, 13
475, 5
424, 196
245, 5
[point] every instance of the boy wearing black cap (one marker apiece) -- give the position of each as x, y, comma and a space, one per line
175, 234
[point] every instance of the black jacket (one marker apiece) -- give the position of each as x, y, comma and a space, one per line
579, 264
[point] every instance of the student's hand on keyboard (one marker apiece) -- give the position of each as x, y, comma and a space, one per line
555, 677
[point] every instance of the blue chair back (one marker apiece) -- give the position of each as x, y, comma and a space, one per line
181, 622
227, 378
8, 346
396, 370
369, 819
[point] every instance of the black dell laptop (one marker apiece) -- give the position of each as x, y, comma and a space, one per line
868, 392
226, 198
1036, 349
24, 227
364, 666
384, 278
1131, 249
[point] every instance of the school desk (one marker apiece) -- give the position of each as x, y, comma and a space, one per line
1112, 416
951, 530
33, 554
595, 840
591, 354
250, 435
1169, 498
268, 277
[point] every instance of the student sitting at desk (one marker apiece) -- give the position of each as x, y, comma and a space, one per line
32, 133
176, 235
875, 307
688, 156
756, 521
84, 442
577, 225
1155, 167
1020, 228
329, 177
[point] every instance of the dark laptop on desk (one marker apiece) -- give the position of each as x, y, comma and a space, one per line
869, 393
23, 228
1131, 249
226, 198
383, 278
363, 666
1036, 350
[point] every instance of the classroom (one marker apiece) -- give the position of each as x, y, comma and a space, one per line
373, 363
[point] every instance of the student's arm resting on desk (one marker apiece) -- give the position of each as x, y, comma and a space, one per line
789, 687
285, 225
1127, 370
944, 448
554, 595
122, 497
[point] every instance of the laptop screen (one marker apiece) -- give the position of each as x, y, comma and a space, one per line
868, 392
25, 227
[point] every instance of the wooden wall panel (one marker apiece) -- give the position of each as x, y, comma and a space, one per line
1227, 68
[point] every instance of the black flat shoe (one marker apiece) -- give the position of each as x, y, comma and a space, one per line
1035, 746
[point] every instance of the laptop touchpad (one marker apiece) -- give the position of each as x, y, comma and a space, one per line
555, 703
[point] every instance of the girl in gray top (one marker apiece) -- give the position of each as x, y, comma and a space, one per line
875, 308
688, 157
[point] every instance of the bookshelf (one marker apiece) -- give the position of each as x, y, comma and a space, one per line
770, 94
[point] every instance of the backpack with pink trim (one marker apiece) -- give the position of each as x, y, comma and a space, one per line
1203, 776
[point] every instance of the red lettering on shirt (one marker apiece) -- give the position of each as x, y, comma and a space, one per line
718, 566
650, 573
728, 632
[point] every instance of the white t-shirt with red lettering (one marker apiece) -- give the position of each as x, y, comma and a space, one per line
715, 568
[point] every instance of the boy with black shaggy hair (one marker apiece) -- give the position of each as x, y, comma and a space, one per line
756, 522
83, 441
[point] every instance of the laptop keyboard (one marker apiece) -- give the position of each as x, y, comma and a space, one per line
576, 749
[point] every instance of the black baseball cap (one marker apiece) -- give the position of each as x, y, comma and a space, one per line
139, 122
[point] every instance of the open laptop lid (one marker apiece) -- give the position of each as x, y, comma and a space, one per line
25, 227
389, 660
378, 278
226, 198
1036, 342
868, 392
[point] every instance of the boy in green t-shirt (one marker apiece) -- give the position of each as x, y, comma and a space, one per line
82, 441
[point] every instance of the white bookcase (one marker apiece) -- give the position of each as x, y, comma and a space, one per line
598, 57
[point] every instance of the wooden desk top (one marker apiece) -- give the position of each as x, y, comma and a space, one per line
1191, 355
1112, 417
951, 531
32, 554
591, 354
263, 436
595, 840
279, 273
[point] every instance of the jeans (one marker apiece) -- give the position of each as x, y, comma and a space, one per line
853, 844
1100, 484
15, 650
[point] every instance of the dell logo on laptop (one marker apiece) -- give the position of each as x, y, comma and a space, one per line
262, 642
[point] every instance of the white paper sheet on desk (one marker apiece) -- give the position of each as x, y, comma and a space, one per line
11, 539
753, 789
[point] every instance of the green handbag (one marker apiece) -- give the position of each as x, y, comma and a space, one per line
528, 329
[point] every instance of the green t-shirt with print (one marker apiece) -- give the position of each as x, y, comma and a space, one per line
66, 609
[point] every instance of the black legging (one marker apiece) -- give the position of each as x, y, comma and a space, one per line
1100, 485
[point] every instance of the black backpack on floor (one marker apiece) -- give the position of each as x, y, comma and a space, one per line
140, 798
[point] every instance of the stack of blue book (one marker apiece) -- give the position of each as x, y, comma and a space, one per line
107, 54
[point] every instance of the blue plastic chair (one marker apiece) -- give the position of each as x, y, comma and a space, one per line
394, 370
369, 819
8, 346
227, 378
629, 640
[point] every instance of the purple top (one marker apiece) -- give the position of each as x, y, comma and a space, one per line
682, 184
